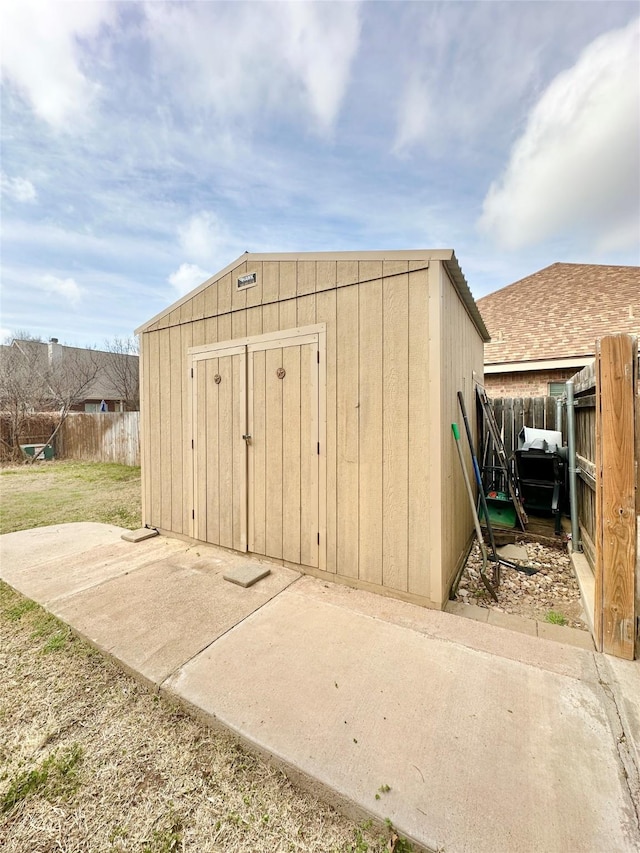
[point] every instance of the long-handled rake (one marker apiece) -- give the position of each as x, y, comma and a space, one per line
483, 550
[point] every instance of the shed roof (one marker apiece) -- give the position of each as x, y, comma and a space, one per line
446, 256
560, 311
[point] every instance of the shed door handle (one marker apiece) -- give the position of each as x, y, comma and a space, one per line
246, 437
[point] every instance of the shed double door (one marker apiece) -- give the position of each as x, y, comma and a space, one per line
256, 447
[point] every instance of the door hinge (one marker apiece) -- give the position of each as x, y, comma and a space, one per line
318, 356
192, 372
193, 514
318, 448
318, 538
192, 445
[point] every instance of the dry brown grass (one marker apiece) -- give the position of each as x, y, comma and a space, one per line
91, 761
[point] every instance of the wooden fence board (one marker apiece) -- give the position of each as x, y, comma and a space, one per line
100, 437
597, 536
617, 355
585, 379
514, 413
538, 412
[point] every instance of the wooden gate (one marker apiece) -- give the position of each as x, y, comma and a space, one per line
258, 445
606, 447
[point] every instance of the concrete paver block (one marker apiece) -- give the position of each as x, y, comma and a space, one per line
246, 575
513, 552
140, 534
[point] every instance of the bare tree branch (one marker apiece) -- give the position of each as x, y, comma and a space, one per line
37, 377
122, 370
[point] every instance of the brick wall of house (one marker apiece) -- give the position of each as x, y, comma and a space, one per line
532, 383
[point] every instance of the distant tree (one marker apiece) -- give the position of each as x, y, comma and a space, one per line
21, 385
36, 377
122, 369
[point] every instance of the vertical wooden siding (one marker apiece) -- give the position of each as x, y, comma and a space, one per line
462, 355
378, 407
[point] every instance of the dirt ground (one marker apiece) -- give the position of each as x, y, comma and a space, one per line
91, 761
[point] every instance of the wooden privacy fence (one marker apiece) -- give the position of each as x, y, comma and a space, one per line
607, 448
513, 413
101, 437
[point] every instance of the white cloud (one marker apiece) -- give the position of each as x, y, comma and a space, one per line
68, 288
577, 164
41, 54
244, 60
19, 189
466, 67
320, 41
203, 237
415, 115
187, 277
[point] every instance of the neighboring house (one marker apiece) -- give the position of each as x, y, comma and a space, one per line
544, 327
95, 379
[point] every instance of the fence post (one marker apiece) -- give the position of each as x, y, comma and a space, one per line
573, 474
615, 495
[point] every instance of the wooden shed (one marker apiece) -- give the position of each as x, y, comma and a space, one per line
299, 407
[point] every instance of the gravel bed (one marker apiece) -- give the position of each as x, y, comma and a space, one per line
550, 595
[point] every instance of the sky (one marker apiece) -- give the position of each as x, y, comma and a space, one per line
146, 145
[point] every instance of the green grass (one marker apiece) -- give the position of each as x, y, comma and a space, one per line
61, 492
53, 778
53, 634
18, 610
555, 618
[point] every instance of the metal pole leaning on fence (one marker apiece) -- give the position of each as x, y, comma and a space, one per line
573, 471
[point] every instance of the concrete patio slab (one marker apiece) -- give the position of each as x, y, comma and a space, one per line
155, 618
32, 547
60, 577
487, 739
622, 679
480, 753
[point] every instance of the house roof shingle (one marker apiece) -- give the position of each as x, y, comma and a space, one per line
100, 388
560, 311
